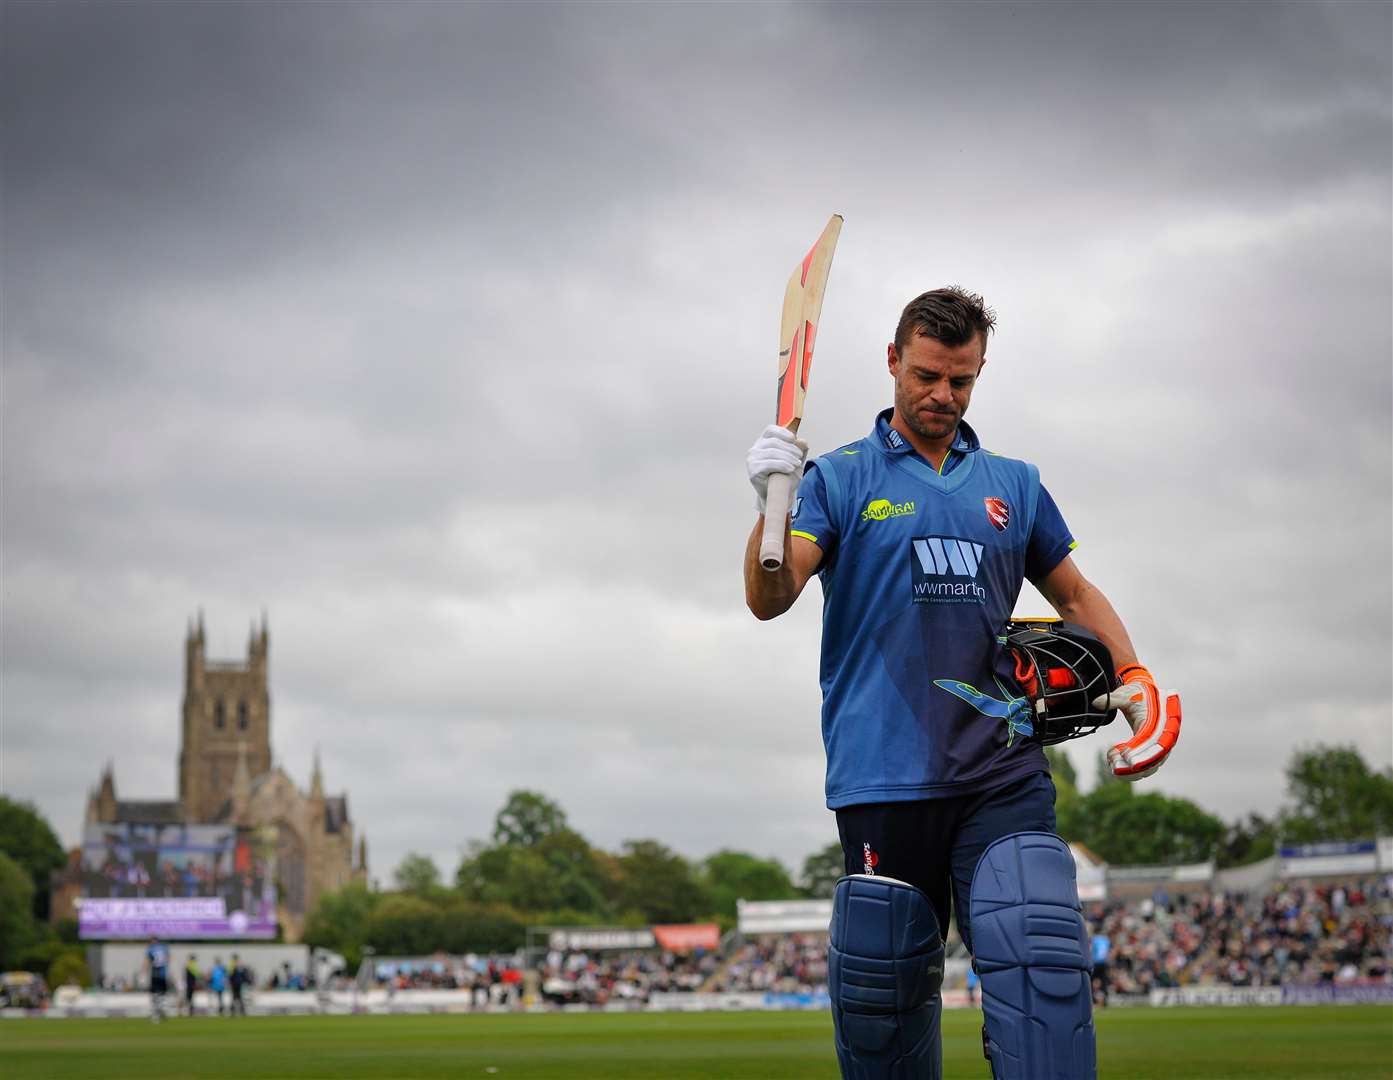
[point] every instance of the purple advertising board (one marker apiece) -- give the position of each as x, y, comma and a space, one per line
177, 881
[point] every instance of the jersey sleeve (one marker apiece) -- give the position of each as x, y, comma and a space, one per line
1050, 539
811, 516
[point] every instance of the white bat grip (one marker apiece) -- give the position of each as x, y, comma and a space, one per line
776, 503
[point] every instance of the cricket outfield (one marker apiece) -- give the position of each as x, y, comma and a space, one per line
1295, 1043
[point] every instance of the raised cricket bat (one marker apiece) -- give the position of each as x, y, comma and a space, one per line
802, 306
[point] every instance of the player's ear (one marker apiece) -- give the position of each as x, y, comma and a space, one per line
892, 358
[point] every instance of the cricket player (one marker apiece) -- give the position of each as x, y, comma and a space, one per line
922, 540
157, 966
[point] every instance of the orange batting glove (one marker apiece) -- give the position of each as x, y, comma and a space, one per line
1155, 719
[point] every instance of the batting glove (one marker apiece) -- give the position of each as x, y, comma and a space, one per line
1155, 719
777, 450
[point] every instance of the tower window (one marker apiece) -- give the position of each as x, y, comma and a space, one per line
242, 715
218, 718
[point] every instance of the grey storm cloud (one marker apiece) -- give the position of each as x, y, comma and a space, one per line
439, 331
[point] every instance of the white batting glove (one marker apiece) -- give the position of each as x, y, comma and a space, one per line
777, 450
1155, 719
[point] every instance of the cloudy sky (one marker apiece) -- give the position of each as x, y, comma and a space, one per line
439, 332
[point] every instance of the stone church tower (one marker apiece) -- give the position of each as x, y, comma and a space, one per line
227, 711
227, 777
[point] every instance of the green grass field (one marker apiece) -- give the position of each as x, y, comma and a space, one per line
1338, 1043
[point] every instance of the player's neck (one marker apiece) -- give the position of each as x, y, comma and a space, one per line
931, 450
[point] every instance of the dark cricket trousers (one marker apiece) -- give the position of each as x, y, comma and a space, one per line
934, 844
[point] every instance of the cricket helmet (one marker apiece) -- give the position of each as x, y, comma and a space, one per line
1061, 669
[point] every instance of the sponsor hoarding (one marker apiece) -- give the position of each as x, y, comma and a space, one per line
584, 940
783, 916
686, 937
177, 881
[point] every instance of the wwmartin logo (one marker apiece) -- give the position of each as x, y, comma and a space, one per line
943, 570
880, 509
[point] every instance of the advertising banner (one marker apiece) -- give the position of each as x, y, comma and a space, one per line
783, 916
1339, 994
1337, 858
594, 940
1216, 995
177, 881
685, 937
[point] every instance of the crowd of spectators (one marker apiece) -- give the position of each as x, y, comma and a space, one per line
1293, 933
781, 964
489, 980
627, 976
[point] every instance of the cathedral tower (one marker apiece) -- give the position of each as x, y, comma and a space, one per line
227, 713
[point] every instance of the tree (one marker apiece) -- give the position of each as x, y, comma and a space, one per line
1062, 769
29, 840
1103, 773
16, 911
526, 819
405, 925
479, 928
586, 880
660, 884
69, 968
822, 870
339, 921
1247, 841
734, 875
1336, 796
418, 874
1126, 828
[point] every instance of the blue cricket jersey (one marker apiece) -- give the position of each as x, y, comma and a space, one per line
920, 572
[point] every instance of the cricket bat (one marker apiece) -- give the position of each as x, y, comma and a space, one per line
802, 307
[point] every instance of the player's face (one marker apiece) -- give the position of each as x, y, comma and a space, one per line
933, 384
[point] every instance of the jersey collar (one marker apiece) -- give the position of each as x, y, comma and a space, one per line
893, 443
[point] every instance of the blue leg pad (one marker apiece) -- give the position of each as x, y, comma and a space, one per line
885, 969
1033, 958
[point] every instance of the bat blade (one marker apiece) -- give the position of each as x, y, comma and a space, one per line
797, 335
798, 328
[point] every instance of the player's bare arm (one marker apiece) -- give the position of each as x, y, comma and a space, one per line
1078, 600
769, 593
1153, 714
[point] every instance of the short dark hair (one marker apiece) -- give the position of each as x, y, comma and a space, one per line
951, 315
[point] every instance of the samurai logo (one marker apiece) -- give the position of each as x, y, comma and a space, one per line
1014, 710
998, 512
870, 858
880, 509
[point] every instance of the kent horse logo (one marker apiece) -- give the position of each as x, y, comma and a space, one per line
998, 513
943, 570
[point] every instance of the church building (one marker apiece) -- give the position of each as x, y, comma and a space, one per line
227, 777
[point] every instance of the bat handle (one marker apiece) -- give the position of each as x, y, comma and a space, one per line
776, 504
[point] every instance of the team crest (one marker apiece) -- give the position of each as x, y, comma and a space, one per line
998, 513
